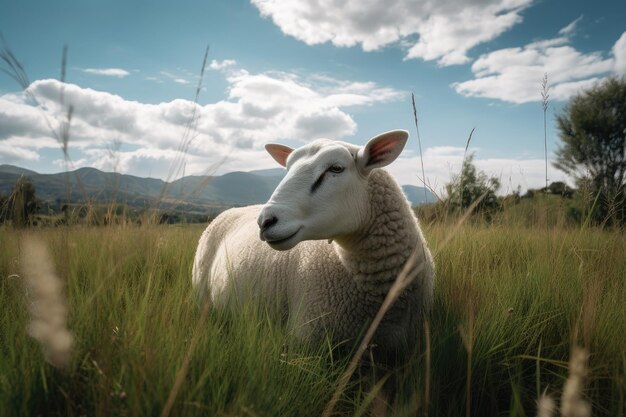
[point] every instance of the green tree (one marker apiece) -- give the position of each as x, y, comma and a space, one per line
592, 128
22, 203
472, 185
561, 189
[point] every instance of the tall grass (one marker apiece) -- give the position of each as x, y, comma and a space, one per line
511, 303
525, 295
133, 314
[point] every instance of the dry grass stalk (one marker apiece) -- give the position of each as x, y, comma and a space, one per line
419, 142
545, 406
467, 336
427, 370
47, 304
544, 104
177, 167
14, 69
572, 402
467, 143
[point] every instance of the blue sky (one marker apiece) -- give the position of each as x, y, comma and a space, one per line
291, 71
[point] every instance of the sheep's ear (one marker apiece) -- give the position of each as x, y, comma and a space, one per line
381, 150
279, 152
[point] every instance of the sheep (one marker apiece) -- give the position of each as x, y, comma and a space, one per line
326, 247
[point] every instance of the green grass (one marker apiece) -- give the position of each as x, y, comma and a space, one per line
514, 299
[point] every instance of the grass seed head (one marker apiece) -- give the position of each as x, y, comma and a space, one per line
48, 310
572, 402
545, 406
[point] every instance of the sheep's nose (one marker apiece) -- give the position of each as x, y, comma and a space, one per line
268, 222
265, 221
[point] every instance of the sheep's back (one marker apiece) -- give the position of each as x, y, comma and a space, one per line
308, 284
232, 260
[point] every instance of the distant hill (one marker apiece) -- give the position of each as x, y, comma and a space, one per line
191, 193
417, 196
273, 172
10, 169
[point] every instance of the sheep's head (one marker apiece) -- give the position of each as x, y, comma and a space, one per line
324, 194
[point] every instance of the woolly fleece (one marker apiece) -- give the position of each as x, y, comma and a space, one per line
327, 289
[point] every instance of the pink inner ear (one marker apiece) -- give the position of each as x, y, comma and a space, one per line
281, 156
280, 153
384, 145
380, 149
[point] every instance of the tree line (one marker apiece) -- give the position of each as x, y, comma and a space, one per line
592, 151
20, 205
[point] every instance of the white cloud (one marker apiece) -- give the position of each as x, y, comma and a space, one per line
441, 30
178, 79
17, 120
514, 74
109, 72
18, 153
259, 108
619, 52
219, 65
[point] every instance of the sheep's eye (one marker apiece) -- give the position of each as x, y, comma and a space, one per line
335, 169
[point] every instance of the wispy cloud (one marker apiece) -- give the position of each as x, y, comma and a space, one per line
219, 65
109, 72
569, 29
154, 79
176, 78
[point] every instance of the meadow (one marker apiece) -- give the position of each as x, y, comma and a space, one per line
511, 303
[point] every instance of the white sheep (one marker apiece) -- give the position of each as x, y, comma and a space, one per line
326, 247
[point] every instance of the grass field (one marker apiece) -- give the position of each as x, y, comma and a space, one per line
510, 304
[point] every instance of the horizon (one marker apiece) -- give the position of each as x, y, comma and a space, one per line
278, 170
342, 72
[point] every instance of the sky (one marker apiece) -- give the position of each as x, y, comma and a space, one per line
281, 71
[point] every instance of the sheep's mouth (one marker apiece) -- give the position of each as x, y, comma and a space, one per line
276, 242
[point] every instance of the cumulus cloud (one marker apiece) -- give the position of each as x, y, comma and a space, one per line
229, 134
17, 120
109, 72
441, 30
619, 53
514, 74
18, 153
259, 108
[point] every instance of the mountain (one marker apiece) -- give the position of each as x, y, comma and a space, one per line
84, 182
272, 172
416, 195
10, 169
191, 193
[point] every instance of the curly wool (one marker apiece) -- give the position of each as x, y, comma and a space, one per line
327, 289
